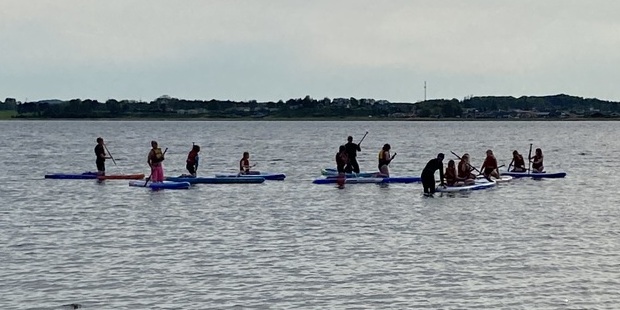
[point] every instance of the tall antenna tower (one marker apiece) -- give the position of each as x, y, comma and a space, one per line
424, 90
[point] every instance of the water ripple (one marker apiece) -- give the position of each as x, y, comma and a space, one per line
527, 244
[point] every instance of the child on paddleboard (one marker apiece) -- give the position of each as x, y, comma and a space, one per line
155, 159
192, 160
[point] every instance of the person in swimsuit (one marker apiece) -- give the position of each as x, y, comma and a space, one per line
450, 175
244, 164
342, 159
155, 160
101, 156
537, 161
384, 160
518, 162
489, 166
192, 160
464, 170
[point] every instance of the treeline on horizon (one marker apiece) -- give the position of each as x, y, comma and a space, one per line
165, 106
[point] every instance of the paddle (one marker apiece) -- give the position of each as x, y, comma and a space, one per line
197, 159
512, 161
362, 138
529, 159
479, 173
149, 178
108, 151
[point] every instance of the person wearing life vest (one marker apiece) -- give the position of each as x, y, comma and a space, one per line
155, 159
537, 161
244, 164
192, 160
384, 160
489, 166
518, 162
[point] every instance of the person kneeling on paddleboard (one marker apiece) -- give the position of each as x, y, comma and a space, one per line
428, 174
384, 160
450, 174
192, 160
518, 162
537, 161
155, 159
244, 164
464, 170
489, 166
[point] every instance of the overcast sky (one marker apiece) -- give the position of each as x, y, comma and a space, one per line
281, 49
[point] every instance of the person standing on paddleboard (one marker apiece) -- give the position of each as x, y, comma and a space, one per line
101, 156
192, 160
489, 166
428, 174
518, 162
384, 160
155, 159
352, 150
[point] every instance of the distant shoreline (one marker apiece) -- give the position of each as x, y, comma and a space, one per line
297, 119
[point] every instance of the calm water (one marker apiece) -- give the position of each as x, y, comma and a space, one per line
550, 244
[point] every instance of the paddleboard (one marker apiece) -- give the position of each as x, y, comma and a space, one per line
265, 175
216, 180
93, 175
503, 179
349, 180
464, 188
334, 172
160, 185
535, 175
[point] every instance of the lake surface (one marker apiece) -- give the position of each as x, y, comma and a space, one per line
526, 244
